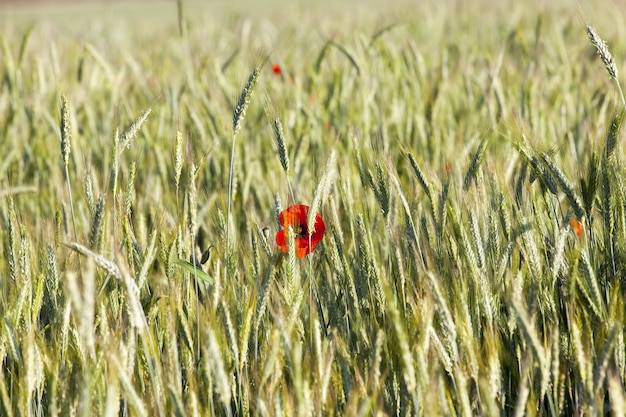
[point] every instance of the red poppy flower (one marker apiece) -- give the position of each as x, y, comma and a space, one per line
296, 216
576, 226
276, 69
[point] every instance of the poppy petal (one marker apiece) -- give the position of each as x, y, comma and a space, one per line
281, 241
295, 216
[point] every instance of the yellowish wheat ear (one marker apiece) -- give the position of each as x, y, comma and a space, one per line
603, 51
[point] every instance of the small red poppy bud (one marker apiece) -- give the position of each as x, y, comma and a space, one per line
576, 226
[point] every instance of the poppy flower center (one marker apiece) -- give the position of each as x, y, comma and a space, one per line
300, 230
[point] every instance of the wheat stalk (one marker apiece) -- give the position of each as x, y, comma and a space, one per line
238, 115
66, 148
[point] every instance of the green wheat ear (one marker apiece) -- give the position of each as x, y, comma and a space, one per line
606, 57
65, 153
612, 136
244, 99
66, 146
477, 160
323, 186
282, 148
238, 115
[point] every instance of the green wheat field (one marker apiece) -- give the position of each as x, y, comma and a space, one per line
466, 159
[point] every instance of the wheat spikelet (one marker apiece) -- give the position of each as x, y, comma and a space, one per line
88, 185
230, 332
589, 187
475, 163
131, 131
65, 329
606, 57
466, 247
12, 226
108, 266
321, 191
381, 190
65, 153
97, 224
66, 146
603, 51
256, 260
520, 183
531, 252
282, 149
594, 295
613, 135
444, 356
558, 262
52, 275
244, 99
421, 178
407, 211
37, 298
493, 236
364, 257
567, 187
607, 210
24, 252
292, 273
478, 241
130, 190
238, 116
178, 157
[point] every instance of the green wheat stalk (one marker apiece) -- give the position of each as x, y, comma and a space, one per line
238, 115
66, 149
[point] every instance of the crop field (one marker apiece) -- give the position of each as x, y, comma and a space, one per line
319, 209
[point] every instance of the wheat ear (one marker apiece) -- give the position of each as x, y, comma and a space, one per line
606, 57
65, 153
238, 116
